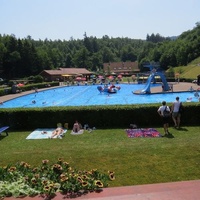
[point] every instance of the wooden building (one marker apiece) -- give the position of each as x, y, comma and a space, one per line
127, 68
61, 73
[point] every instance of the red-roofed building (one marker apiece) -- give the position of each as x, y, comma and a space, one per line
59, 74
127, 68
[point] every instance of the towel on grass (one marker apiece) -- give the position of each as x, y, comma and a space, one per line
148, 132
77, 133
42, 133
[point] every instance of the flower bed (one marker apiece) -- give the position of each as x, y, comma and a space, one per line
23, 180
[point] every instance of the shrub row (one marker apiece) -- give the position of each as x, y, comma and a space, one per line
118, 116
8, 90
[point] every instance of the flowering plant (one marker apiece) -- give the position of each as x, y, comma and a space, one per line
23, 180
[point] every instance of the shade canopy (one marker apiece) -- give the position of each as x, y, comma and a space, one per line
20, 84
111, 77
80, 78
67, 75
100, 77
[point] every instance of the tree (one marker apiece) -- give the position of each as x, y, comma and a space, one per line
2, 52
81, 59
87, 43
97, 61
107, 55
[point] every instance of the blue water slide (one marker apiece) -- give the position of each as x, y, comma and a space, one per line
146, 89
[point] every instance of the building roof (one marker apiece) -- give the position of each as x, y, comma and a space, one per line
121, 66
68, 71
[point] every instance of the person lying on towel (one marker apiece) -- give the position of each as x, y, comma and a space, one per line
57, 133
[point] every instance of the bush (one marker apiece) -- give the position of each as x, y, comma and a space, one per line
38, 79
28, 87
118, 116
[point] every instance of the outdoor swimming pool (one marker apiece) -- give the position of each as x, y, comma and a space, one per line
86, 95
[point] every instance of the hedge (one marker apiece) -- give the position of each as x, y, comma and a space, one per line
8, 90
118, 116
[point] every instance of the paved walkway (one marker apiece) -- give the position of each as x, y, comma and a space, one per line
184, 190
177, 87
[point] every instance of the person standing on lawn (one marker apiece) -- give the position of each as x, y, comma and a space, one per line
165, 118
176, 113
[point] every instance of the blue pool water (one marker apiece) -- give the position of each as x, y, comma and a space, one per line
89, 95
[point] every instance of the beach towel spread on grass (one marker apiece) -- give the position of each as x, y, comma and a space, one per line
43, 133
148, 132
77, 133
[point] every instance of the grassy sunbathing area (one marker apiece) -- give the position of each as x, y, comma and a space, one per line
134, 160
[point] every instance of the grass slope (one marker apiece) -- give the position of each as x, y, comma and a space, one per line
134, 160
189, 71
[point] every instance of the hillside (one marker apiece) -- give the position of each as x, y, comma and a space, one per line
189, 71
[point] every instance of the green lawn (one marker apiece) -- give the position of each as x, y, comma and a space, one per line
134, 160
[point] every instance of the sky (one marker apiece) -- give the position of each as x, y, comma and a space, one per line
67, 19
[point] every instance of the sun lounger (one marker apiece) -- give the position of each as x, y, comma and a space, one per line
4, 128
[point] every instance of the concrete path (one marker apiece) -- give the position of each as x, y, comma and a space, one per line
184, 190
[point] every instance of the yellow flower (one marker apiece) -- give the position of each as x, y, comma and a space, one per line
45, 161
51, 185
12, 169
66, 163
93, 170
44, 182
60, 160
85, 177
47, 188
26, 178
22, 163
59, 167
62, 176
64, 179
84, 183
90, 172
99, 183
55, 166
79, 179
26, 165
112, 176
35, 169
56, 185
33, 180
37, 176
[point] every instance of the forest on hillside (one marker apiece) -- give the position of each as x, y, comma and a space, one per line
24, 57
